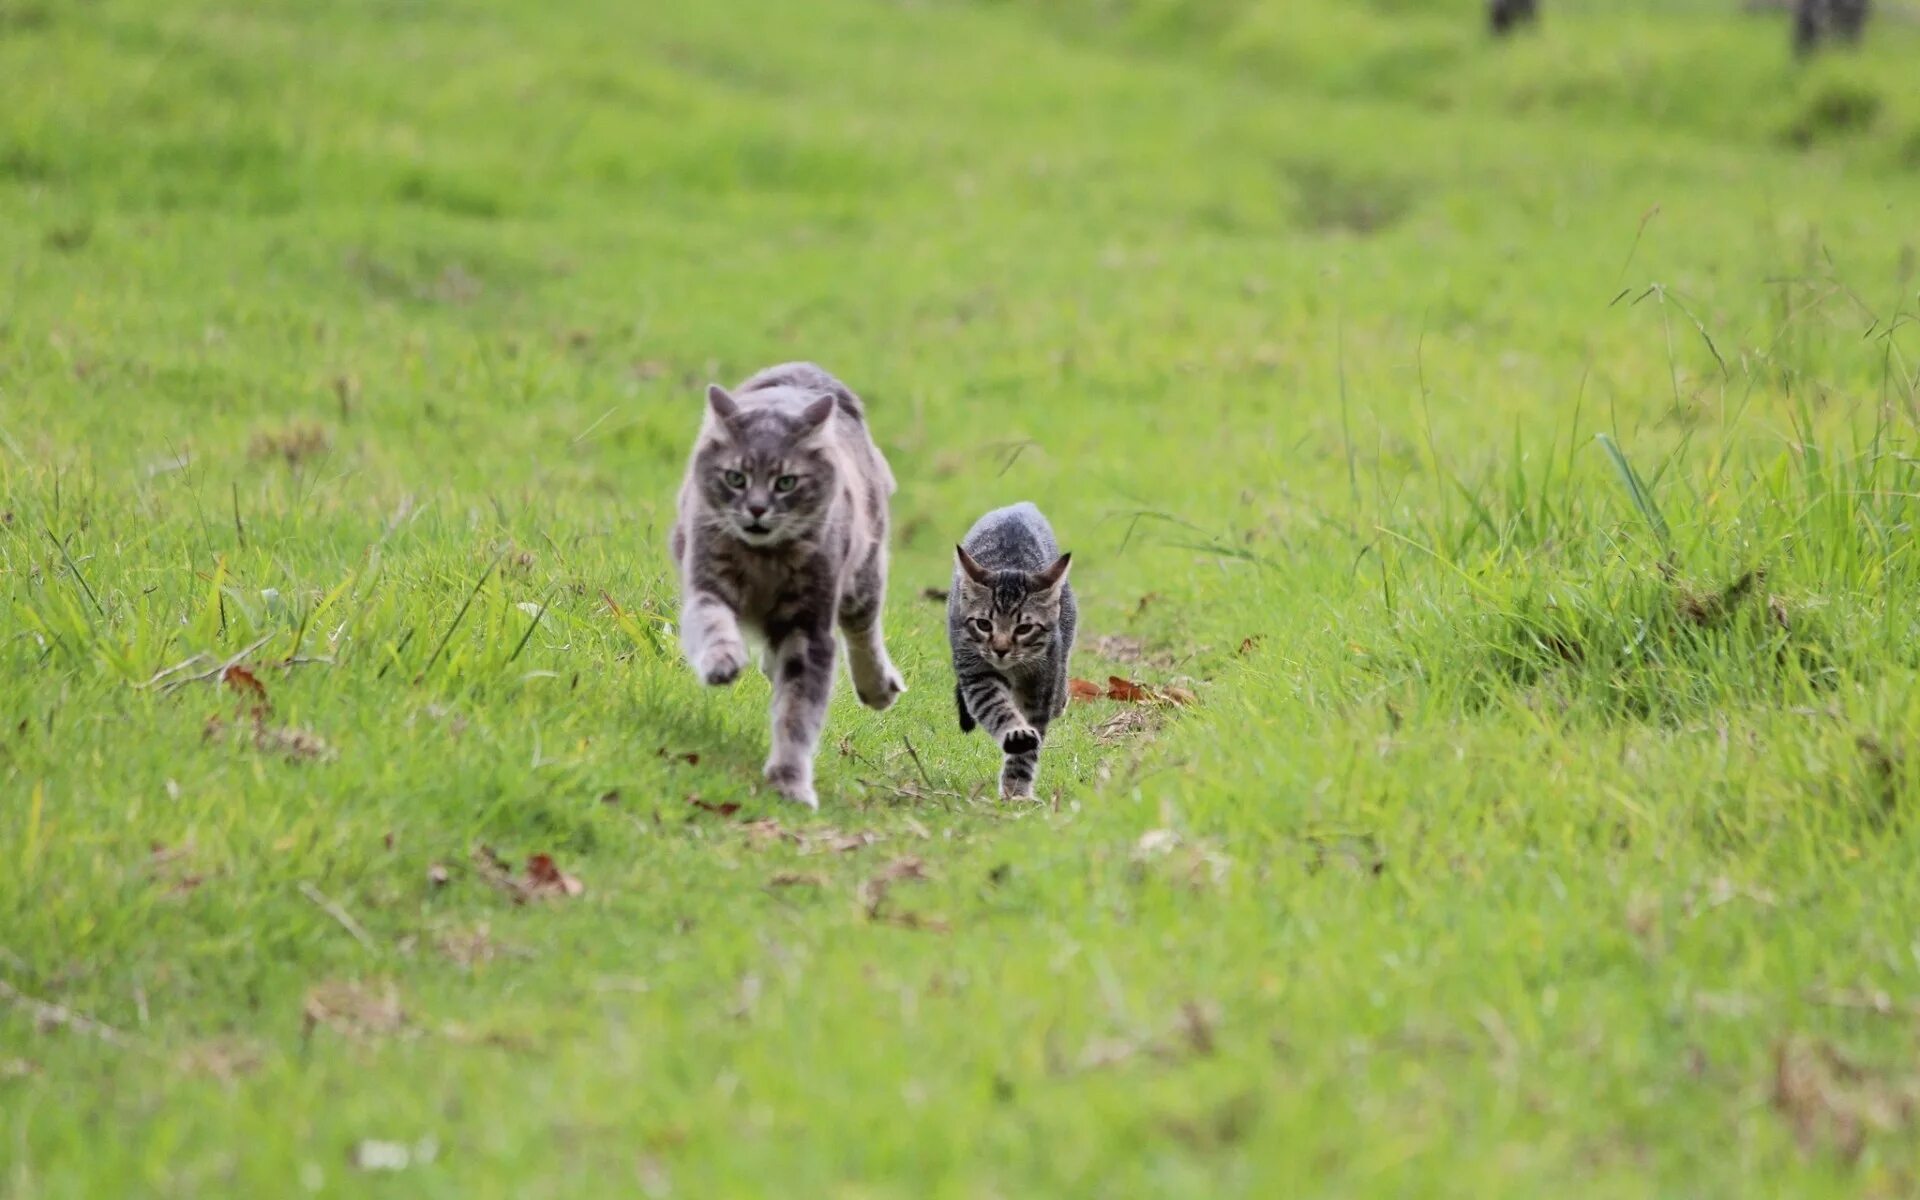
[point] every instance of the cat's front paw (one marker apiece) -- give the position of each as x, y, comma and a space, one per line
1020, 741
793, 782
721, 664
880, 694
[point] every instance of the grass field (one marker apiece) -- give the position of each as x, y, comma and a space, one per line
1546, 821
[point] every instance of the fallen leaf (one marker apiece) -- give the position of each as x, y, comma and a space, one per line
373, 1155
903, 868
1128, 722
245, 682
354, 1008
546, 879
1249, 644
1083, 690
1119, 647
786, 879
840, 843
1180, 696
1154, 843
1126, 690
724, 809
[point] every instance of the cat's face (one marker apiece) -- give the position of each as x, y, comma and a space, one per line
765, 475
1009, 615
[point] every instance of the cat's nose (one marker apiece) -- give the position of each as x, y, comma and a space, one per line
756, 511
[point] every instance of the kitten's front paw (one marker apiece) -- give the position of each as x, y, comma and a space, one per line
721, 664
794, 783
1020, 741
879, 695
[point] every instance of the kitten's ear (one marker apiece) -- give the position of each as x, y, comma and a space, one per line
723, 405
1056, 574
813, 418
974, 570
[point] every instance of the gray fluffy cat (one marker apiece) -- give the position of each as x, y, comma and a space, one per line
1010, 619
782, 533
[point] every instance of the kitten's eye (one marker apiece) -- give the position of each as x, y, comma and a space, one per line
1024, 628
735, 480
982, 625
786, 483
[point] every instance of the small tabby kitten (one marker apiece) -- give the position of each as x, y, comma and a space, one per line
1010, 619
782, 533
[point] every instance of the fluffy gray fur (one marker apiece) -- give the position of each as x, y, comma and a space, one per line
781, 534
1010, 621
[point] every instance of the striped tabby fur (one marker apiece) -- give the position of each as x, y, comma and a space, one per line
1010, 621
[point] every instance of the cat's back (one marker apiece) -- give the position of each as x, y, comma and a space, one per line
1014, 538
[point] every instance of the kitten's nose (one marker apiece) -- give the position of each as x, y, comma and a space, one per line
756, 511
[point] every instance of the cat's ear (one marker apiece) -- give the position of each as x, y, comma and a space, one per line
813, 418
1054, 575
974, 570
724, 407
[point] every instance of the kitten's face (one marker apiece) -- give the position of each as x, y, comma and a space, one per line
764, 475
1010, 615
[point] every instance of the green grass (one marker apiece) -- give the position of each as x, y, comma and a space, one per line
1546, 821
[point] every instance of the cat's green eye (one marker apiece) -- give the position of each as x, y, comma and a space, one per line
786, 483
983, 625
735, 480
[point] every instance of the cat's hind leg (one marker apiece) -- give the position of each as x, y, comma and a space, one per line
875, 679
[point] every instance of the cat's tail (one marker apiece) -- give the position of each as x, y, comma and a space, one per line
960, 702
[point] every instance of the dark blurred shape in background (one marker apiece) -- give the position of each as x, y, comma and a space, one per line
1816, 21
1505, 16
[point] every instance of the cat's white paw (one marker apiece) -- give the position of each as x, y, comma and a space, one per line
793, 782
878, 693
721, 663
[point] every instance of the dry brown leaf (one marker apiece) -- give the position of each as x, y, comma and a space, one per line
1128, 722
1249, 644
546, 879
1127, 691
903, 868
724, 809
245, 682
1083, 690
1119, 646
786, 879
357, 1009
834, 841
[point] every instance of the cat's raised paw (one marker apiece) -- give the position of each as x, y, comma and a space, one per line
880, 698
1020, 741
721, 665
793, 783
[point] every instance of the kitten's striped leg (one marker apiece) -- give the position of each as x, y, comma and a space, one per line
992, 705
710, 634
1017, 773
804, 667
